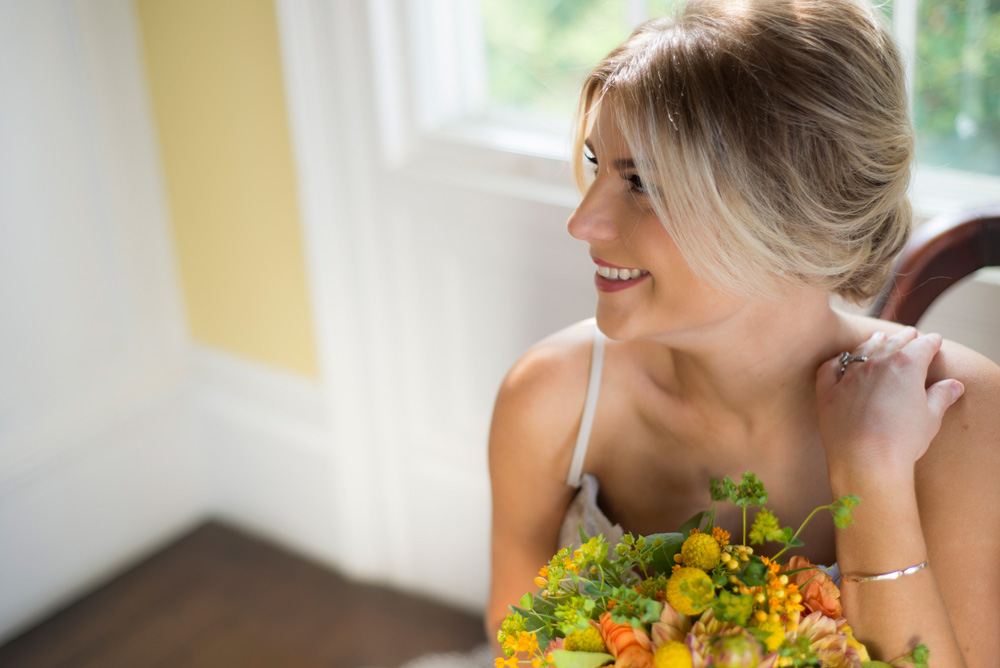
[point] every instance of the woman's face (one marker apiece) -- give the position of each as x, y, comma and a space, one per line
645, 288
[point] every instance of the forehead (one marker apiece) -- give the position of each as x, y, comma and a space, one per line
605, 137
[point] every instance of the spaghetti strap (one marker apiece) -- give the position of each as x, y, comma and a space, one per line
589, 408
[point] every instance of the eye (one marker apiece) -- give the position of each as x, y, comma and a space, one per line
635, 184
589, 156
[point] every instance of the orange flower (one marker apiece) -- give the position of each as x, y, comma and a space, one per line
634, 656
819, 593
619, 637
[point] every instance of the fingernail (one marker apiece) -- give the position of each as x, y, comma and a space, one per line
957, 390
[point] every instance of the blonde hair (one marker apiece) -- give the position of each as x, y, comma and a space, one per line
777, 135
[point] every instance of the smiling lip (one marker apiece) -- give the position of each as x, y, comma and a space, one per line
615, 285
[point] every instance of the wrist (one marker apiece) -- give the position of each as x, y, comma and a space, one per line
881, 478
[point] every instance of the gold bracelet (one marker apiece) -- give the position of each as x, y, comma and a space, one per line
892, 575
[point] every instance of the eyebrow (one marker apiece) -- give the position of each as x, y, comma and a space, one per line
621, 163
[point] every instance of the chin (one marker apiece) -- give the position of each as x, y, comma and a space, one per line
619, 326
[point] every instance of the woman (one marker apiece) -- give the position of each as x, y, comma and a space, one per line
750, 159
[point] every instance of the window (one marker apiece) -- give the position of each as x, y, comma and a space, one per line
956, 84
530, 57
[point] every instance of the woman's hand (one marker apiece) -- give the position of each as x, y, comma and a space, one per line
877, 418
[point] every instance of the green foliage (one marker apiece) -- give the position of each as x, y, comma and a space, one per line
916, 657
750, 491
734, 608
957, 84
765, 528
842, 509
799, 652
539, 51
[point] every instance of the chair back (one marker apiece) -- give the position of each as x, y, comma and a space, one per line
940, 253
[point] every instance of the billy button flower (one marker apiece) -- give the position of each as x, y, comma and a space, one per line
673, 654
700, 550
585, 640
690, 590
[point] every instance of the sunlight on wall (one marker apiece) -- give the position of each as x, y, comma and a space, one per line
215, 78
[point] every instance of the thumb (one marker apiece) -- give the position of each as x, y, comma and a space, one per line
942, 394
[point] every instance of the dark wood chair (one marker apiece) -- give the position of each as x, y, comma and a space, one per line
942, 251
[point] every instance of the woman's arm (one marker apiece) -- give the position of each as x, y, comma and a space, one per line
534, 426
877, 421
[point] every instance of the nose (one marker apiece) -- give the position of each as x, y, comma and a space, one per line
594, 219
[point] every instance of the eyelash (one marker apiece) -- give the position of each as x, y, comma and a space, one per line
635, 184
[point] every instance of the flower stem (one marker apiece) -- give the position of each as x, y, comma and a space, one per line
801, 527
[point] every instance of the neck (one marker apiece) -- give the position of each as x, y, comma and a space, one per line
760, 363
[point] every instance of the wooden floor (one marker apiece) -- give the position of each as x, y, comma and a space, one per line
218, 598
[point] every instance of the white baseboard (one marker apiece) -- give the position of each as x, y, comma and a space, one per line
271, 464
267, 450
115, 495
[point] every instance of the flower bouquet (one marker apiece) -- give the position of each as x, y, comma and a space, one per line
689, 599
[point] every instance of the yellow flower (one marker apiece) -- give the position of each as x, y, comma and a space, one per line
527, 642
586, 640
672, 654
690, 590
846, 629
775, 630
702, 551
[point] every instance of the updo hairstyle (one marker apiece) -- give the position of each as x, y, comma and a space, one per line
775, 135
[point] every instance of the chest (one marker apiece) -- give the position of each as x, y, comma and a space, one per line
656, 482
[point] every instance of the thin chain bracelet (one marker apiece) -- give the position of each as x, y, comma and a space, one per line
892, 575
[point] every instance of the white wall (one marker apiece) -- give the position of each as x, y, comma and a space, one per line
98, 461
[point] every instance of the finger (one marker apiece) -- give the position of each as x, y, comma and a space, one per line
925, 347
920, 352
869, 346
942, 394
897, 341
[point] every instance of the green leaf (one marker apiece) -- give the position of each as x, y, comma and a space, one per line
533, 621
755, 574
693, 523
583, 535
662, 556
526, 601
875, 664
564, 658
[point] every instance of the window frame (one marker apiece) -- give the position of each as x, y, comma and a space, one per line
451, 134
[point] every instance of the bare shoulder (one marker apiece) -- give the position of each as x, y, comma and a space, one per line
968, 444
957, 494
535, 420
540, 401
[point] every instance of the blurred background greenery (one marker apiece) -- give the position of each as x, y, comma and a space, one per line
539, 51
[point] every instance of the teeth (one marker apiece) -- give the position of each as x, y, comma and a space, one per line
620, 274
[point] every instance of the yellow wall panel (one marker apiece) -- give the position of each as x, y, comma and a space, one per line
215, 77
